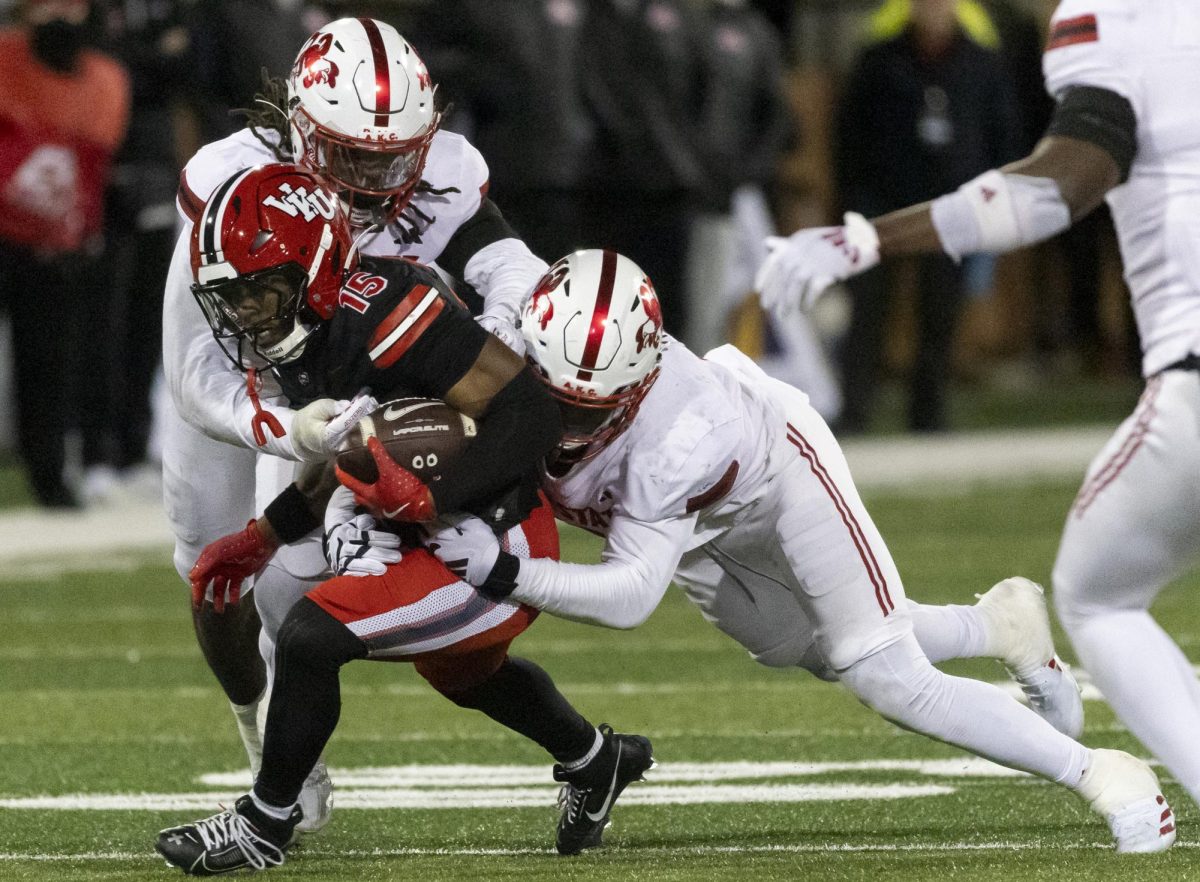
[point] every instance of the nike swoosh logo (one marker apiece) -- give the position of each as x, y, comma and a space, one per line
612, 785
391, 514
394, 413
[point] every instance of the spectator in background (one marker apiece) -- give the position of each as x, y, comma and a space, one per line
744, 126
63, 112
515, 86
928, 107
642, 74
232, 41
123, 305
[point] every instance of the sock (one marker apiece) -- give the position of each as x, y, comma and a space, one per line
950, 631
901, 684
248, 728
521, 696
271, 811
576, 765
1149, 683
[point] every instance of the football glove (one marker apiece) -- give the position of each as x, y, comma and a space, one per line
800, 267
470, 550
227, 562
505, 331
357, 548
397, 495
320, 427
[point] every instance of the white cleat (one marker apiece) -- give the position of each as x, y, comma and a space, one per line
1125, 792
1019, 634
316, 800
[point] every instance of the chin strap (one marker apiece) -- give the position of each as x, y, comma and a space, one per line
261, 417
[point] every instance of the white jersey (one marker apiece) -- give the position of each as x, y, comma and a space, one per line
1149, 52
207, 390
693, 462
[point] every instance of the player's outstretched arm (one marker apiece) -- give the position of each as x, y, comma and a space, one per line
1088, 149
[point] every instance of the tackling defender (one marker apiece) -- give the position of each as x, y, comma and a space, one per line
360, 110
1126, 129
708, 472
283, 288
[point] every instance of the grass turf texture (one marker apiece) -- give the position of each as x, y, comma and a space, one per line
102, 690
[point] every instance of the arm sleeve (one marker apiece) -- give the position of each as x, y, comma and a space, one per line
1088, 45
504, 273
520, 427
621, 591
205, 388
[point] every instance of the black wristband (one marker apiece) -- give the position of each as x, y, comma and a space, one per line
290, 516
502, 580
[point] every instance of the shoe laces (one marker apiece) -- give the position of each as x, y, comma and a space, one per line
230, 828
571, 800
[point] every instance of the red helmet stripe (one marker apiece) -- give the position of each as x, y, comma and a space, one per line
608, 274
383, 76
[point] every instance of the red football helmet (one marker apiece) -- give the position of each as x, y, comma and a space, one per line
593, 331
269, 251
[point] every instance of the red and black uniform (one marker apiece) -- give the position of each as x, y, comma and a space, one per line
400, 331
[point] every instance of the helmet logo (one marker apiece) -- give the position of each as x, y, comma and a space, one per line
541, 307
424, 81
317, 68
650, 332
300, 201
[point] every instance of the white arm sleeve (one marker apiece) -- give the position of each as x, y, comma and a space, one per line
504, 272
622, 590
206, 389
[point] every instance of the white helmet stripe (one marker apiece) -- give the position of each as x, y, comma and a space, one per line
214, 216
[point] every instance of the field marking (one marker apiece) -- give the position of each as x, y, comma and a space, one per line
469, 775
496, 797
625, 850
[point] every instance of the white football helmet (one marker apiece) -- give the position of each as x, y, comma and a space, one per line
360, 104
593, 329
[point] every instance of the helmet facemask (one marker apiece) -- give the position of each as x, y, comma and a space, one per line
591, 423
259, 318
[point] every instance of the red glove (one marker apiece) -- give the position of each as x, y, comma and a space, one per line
226, 562
397, 495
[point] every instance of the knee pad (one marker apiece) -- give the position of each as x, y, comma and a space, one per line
311, 637
276, 591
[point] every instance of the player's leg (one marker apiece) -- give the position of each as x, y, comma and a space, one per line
854, 594
292, 572
208, 493
1009, 623
1134, 527
594, 764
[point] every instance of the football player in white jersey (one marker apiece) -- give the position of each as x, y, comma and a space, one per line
709, 473
359, 110
1125, 74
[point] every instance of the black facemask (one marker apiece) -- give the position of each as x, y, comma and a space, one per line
57, 44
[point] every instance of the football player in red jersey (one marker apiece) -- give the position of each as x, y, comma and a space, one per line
358, 107
284, 291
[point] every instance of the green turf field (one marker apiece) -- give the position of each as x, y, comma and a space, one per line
103, 697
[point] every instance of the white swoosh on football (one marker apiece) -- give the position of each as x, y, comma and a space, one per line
393, 413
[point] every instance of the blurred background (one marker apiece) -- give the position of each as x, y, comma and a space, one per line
681, 132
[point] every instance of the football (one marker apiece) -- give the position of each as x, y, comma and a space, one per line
422, 434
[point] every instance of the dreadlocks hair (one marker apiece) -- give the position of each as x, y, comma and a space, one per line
268, 115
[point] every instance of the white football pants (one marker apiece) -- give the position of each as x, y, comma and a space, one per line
1135, 526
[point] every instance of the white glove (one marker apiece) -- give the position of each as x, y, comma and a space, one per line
505, 331
320, 427
356, 548
466, 545
801, 266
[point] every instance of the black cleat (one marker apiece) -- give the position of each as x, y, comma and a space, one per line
238, 838
587, 795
